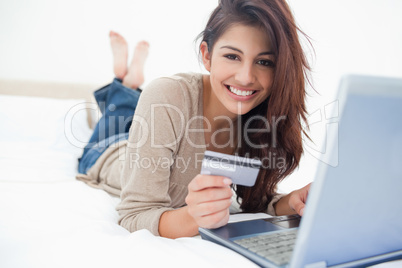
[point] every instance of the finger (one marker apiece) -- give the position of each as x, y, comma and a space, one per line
210, 208
298, 206
215, 220
224, 220
208, 195
201, 182
299, 198
305, 191
213, 194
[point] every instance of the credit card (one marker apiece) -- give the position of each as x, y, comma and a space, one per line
241, 170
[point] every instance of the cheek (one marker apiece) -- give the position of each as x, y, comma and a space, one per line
217, 77
220, 70
266, 83
268, 80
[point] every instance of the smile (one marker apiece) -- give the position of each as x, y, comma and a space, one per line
239, 92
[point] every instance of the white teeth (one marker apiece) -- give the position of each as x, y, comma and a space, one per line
240, 92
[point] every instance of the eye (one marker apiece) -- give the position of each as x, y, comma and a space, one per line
267, 63
231, 57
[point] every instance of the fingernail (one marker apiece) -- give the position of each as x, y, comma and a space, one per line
301, 212
227, 181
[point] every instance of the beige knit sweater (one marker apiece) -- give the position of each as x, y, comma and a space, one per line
151, 171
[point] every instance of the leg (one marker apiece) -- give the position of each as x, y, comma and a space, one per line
120, 54
117, 104
135, 74
116, 101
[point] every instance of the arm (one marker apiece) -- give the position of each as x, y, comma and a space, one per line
152, 146
177, 223
293, 203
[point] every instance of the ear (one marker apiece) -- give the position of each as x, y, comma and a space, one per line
206, 56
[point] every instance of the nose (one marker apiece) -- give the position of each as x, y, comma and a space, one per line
245, 75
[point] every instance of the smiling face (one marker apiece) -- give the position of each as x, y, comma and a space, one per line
241, 68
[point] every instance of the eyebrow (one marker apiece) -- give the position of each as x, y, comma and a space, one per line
238, 50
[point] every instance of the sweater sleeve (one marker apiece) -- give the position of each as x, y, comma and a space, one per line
157, 128
271, 209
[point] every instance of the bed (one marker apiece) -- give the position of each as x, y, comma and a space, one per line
48, 218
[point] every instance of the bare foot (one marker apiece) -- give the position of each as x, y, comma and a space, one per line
135, 75
120, 54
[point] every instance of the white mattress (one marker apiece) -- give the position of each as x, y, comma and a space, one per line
49, 219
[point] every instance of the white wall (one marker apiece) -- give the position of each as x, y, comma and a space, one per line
349, 36
68, 41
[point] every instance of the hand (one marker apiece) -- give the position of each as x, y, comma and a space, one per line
209, 199
293, 202
298, 199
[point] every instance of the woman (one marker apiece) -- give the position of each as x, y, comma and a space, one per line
251, 104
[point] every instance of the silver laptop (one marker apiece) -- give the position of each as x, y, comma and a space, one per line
353, 215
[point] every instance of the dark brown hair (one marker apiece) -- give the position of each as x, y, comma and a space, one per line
287, 99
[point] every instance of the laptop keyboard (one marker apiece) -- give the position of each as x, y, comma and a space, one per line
276, 247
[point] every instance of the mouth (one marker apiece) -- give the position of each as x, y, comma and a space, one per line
240, 92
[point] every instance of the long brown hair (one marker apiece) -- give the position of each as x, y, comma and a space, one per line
280, 148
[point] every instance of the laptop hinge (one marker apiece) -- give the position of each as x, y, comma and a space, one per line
321, 264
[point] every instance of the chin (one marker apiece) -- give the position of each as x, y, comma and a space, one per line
233, 109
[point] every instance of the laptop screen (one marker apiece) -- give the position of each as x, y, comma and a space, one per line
354, 209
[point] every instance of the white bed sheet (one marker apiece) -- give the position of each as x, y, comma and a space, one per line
49, 219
